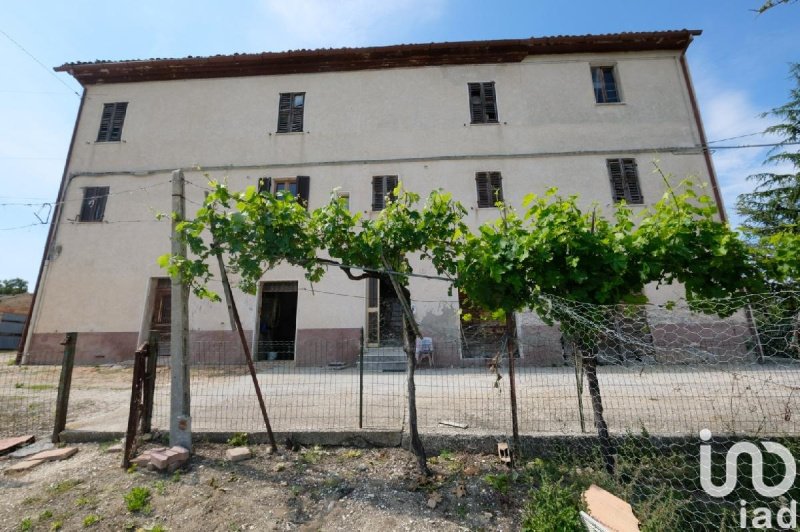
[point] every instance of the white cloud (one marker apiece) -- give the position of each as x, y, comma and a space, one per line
320, 23
731, 112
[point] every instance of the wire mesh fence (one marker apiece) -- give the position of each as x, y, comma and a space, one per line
27, 397
665, 375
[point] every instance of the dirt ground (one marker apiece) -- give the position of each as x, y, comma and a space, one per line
307, 489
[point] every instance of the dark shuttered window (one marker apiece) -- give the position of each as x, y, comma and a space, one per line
111, 122
490, 188
94, 204
303, 189
624, 180
482, 103
605, 84
265, 184
382, 186
290, 112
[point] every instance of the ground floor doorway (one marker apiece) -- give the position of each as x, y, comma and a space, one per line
161, 316
277, 321
384, 314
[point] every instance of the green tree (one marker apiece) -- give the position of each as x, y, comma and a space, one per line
256, 231
769, 4
385, 243
556, 248
13, 286
772, 224
774, 206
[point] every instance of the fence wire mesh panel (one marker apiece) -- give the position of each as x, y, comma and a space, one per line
27, 397
298, 398
682, 389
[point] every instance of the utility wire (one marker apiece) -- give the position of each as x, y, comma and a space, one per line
766, 145
20, 227
736, 137
129, 191
40, 63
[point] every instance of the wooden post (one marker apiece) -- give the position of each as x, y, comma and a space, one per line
150, 382
180, 420
606, 446
136, 406
64, 384
245, 347
410, 334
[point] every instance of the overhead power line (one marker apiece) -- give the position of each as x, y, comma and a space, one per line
18, 45
736, 137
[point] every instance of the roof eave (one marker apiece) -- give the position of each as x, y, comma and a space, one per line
349, 59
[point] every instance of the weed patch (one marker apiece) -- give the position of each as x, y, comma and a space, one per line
138, 500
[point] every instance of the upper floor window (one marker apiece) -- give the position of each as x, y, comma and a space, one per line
604, 82
284, 186
482, 103
624, 180
299, 187
290, 112
94, 204
111, 122
382, 186
490, 188
345, 198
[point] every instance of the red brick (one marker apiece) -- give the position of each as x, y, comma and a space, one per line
142, 460
237, 454
159, 460
181, 453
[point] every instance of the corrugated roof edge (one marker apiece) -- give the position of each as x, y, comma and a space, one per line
367, 58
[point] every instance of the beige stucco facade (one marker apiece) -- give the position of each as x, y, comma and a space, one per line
413, 122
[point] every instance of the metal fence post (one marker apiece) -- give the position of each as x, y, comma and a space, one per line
361, 379
64, 384
150, 382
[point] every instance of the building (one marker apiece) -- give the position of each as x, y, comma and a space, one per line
480, 119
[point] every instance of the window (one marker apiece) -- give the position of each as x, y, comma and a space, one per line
290, 112
283, 186
94, 204
299, 187
111, 122
482, 103
605, 84
624, 180
345, 197
382, 186
490, 188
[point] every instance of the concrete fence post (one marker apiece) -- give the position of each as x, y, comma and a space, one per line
64, 384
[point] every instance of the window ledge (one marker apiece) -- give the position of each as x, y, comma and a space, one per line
485, 123
288, 133
100, 142
603, 104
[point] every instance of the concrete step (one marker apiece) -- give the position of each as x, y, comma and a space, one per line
385, 366
384, 358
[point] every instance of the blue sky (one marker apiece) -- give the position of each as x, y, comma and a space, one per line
739, 66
